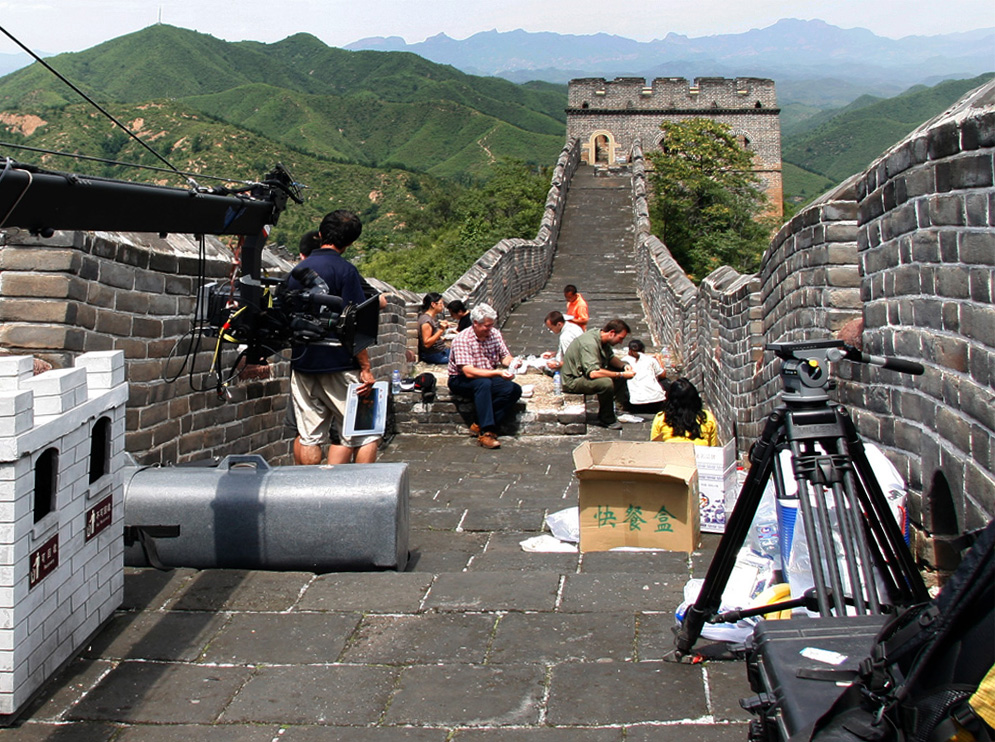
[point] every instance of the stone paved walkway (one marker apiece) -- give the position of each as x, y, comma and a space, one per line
477, 641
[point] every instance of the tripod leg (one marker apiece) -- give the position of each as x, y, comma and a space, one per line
859, 564
837, 539
880, 521
813, 432
818, 533
737, 527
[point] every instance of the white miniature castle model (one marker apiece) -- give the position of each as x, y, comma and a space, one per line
61, 514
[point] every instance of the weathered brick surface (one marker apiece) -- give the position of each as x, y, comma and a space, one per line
908, 246
931, 258
87, 293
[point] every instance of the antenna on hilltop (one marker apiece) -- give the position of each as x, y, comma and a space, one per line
159, 21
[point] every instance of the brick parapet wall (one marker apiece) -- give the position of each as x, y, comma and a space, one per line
672, 93
729, 333
78, 292
515, 269
909, 246
927, 258
809, 281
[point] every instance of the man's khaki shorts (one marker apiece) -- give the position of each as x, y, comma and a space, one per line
318, 400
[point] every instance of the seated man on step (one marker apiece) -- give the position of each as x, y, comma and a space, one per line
567, 332
475, 361
590, 366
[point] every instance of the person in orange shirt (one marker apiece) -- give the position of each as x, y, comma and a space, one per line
576, 306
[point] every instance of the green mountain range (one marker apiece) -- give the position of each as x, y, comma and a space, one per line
367, 130
372, 108
831, 146
196, 143
362, 130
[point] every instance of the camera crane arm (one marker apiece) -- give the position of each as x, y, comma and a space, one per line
43, 201
261, 314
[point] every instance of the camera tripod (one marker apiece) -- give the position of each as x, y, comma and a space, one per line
858, 554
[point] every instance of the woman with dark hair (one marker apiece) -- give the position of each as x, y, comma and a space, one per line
431, 347
684, 418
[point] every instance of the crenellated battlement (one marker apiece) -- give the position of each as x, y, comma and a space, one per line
705, 94
61, 513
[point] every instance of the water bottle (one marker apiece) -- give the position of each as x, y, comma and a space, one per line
557, 384
395, 382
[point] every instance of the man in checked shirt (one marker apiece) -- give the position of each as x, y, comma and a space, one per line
476, 358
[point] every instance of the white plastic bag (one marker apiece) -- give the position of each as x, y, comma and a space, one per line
751, 575
565, 525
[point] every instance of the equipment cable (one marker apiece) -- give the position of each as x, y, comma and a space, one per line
96, 105
6, 169
119, 163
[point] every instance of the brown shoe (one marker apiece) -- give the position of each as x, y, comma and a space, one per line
474, 429
488, 440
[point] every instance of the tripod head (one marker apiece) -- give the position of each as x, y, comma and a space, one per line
805, 367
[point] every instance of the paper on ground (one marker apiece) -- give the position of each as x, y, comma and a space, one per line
547, 543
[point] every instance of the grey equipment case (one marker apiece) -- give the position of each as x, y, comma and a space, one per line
241, 513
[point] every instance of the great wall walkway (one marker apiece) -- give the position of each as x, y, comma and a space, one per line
594, 252
477, 641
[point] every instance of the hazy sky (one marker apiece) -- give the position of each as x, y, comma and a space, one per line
71, 25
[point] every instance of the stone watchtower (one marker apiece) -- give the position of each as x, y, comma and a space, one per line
606, 117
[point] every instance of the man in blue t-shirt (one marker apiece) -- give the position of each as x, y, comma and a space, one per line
321, 374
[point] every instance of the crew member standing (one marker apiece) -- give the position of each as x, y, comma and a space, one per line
321, 374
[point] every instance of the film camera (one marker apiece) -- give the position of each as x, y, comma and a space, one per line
267, 316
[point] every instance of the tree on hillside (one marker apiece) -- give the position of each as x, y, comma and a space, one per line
453, 226
707, 204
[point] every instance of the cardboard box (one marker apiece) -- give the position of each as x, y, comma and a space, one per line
717, 484
715, 460
637, 494
717, 499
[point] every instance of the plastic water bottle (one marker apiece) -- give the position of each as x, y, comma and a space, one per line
395, 382
557, 384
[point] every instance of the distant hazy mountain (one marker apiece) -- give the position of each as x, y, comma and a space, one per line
11, 62
789, 50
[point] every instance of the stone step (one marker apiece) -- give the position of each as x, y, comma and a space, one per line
448, 414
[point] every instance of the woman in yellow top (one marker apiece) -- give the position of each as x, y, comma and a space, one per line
684, 418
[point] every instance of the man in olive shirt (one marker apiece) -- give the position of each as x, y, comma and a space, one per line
591, 367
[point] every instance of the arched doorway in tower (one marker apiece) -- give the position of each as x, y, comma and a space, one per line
601, 148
